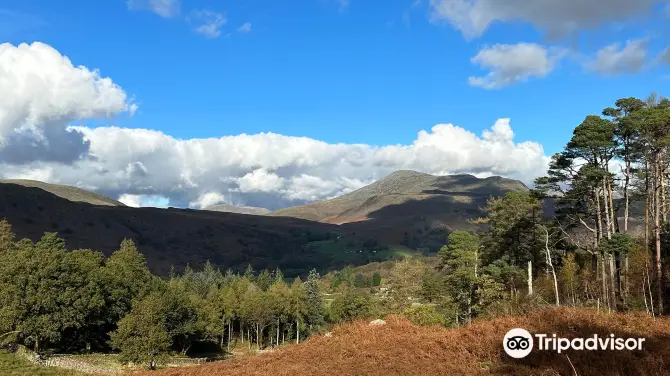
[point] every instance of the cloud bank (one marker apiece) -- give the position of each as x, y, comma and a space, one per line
147, 167
557, 18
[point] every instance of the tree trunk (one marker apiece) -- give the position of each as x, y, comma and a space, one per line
603, 275
661, 173
258, 338
608, 222
594, 263
615, 220
651, 294
599, 219
551, 265
530, 278
626, 280
657, 234
613, 284
297, 332
625, 196
644, 294
647, 205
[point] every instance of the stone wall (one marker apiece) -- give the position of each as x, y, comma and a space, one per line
72, 363
66, 362
180, 362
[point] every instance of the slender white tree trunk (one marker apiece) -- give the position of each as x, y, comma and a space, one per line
551, 264
530, 278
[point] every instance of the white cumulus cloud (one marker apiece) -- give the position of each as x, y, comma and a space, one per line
143, 167
208, 199
137, 201
614, 59
513, 63
42, 92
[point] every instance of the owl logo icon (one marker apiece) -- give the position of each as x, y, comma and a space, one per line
518, 343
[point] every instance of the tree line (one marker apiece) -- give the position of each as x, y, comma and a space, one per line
593, 232
614, 163
55, 300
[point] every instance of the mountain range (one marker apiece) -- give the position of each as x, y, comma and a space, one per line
406, 210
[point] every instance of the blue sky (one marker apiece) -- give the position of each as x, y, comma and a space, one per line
361, 73
357, 71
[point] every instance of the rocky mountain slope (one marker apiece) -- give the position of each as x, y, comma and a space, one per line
408, 207
403, 188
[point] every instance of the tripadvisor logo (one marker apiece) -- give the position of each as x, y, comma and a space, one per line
518, 343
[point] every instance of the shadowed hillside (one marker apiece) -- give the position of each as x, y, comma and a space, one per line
400, 348
67, 192
168, 236
404, 210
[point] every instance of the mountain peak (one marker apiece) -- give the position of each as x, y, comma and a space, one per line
408, 192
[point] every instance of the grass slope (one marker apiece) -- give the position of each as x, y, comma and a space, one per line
400, 348
66, 192
11, 365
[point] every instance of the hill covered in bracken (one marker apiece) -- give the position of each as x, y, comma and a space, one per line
401, 348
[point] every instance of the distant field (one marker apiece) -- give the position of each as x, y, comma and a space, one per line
340, 252
10, 365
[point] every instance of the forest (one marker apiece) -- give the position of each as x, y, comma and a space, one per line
604, 247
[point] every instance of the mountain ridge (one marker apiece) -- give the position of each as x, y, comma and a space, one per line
67, 192
400, 187
226, 208
405, 210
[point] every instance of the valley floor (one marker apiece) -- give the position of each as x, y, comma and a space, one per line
400, 348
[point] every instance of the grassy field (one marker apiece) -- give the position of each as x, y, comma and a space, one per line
341, 252
11, 365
